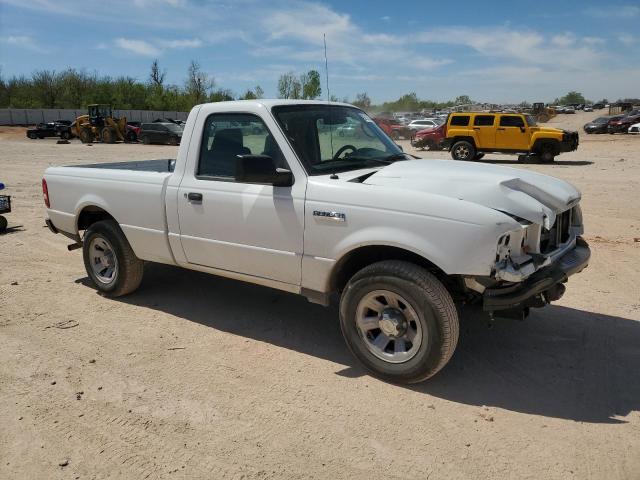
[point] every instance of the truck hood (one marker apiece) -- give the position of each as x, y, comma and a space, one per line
528, 195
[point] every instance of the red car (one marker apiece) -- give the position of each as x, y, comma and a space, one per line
430, 138
622, 125
393, 128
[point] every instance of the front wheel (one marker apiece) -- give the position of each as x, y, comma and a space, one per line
463, 150
110, 261
399, 321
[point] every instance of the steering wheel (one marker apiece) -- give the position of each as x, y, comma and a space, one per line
342, 149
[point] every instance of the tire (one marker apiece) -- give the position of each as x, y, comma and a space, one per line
108, 135
3, 224
434, 326
146, 140
32, 136
66, 135
547, 153
132, 137
463, 150
86, 136
103, 237
173, 141
478, 156
395, 134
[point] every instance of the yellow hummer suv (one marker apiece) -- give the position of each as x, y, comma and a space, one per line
471, 134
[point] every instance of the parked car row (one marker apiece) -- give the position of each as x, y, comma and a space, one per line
623, 123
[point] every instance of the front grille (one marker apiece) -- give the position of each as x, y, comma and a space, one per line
559, 233
5, 203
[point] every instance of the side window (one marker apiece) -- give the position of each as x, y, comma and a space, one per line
460, 120
511, 121
227, 135
484, 120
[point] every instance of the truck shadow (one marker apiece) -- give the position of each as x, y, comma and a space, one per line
560, 362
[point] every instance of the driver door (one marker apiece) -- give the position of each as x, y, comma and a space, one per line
248, 228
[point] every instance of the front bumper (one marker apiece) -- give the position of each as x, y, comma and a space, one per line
542, 286
570, 141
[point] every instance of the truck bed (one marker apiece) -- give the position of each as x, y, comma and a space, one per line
160, 166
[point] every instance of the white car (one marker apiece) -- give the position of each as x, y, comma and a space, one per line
297, 208
421, 124
635, 128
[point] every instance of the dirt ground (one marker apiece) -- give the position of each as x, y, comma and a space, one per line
195, 376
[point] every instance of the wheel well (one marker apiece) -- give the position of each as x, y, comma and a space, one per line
541, 143
466, 139
90, 215
359, 258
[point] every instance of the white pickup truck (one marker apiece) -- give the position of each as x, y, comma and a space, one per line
266, 192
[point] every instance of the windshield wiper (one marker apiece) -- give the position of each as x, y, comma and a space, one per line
395, 157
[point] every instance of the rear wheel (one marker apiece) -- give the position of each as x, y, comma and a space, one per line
399, 321
109, 260
463, 150
478, 156
146, 140
66, 135
3, 224
131, 136
32, 135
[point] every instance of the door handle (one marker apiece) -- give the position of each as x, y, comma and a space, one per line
500, 129
476, 128
194, 197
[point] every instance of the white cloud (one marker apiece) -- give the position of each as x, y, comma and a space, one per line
139, 47
563, 40
627, 39
22, 41
594, 40
613, 11
184, 43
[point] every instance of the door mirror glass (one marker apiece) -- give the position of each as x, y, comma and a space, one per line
261, 169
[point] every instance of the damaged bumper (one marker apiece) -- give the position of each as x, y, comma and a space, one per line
543, 286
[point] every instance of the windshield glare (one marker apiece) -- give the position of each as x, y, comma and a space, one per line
332, 138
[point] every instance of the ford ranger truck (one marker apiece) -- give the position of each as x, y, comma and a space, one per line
291, 205
470, 135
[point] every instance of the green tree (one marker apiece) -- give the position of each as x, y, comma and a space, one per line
310, 84
362, 101
572, 97
199, 84
463, 100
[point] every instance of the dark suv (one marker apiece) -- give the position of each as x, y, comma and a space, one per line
160, 132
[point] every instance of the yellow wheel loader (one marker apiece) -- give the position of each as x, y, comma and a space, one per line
100, 125
543, 114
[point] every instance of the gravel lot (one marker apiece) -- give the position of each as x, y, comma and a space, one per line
195, 376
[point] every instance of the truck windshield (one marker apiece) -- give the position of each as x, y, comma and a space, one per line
333, 138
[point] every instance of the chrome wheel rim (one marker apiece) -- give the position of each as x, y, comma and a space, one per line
461, 151
389, 326
103, 260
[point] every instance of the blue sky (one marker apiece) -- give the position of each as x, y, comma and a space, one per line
498, 51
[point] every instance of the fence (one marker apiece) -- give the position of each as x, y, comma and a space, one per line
20, 116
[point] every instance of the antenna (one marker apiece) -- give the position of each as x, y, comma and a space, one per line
326, 65
326, 68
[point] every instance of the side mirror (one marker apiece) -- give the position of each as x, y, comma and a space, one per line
261, 169
522, 129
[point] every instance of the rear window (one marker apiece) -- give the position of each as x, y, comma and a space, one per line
460, 120
484, 120
511, 121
